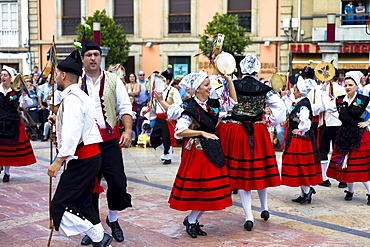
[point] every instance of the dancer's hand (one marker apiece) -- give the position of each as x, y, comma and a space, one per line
209, 135
55, 167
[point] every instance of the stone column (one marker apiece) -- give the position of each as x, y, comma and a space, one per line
104, 52
330, 50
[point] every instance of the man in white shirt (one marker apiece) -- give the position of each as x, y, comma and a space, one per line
110, 97
163, 130
78, 138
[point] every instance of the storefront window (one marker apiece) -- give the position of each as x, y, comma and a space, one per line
180, 66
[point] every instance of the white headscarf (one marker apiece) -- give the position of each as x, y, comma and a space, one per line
10, 70
355, 75
305, 86
193, 80
250, 64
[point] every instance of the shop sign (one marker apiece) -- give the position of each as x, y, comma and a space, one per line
346, 48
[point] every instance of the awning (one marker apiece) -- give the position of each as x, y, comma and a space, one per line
352, 61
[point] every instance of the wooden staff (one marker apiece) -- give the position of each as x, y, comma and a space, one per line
52, 60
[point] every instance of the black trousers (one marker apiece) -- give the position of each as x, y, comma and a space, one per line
160, 134
74, 191
327, 140
113, 171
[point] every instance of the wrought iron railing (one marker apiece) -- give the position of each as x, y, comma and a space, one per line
69, 25
9, 38
179, 23
127, 23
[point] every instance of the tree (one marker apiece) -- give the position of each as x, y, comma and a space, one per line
235, 40
111, 36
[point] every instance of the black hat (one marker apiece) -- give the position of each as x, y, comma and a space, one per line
72, 64
168, 75
89, 45
308, 72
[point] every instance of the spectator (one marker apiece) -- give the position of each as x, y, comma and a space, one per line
349, 9
360, 9
183, 93
44, 94
36, 70
32, 91
142, 98
35, 79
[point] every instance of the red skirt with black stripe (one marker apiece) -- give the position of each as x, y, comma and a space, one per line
247, 170
298, 165
199, 184
17, 153
358, 163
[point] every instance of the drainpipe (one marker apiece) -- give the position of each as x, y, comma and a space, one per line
299, 20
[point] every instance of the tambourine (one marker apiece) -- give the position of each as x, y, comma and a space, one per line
279, 81
225, 63
156, 83
325, 71
118, 69
17, 83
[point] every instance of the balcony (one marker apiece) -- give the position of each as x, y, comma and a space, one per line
69, 25
127, 23
9, 38
179, 23
344, 33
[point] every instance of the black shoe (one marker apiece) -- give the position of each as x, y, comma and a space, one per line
234, 191
6, 178
298, 199
191, 229
86, 240
348, 196
342, 185
199, 231
248, 225
368, 199
44, 140
265, 215
326, 183
166, 162
116, 230
106, 241
308, 197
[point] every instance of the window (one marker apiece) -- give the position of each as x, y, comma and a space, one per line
180, 65
9, 25
243, 10
353, 15
179, 16
124, 15
71, 16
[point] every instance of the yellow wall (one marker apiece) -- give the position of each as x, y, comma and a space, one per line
151, 59
94, 5
151, 19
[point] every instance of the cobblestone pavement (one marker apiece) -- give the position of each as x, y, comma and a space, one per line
327, 221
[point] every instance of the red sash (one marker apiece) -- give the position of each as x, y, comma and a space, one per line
171, 124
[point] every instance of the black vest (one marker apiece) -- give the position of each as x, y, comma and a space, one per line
349, 135
9, 116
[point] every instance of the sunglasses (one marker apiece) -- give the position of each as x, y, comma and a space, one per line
95, 54
142, 75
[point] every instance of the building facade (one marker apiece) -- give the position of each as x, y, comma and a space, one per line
162, 32
285, 33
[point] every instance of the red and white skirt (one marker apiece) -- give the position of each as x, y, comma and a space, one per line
358, 163
199, 184
299, 166
19, 153
247, 170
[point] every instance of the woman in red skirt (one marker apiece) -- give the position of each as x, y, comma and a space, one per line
202, 182
300, 164
246, 143
350, 161
15, 147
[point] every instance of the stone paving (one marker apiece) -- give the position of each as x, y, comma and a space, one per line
328, 221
